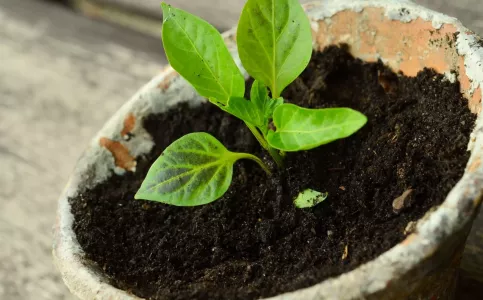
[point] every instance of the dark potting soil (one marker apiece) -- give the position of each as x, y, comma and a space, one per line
253, 242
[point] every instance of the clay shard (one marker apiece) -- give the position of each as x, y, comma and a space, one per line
121, 155
402, 202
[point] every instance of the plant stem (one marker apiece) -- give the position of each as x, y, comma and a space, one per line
276, 156
256, 159
272, 151
258, 136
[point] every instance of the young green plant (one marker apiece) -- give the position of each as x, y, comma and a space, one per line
275, 45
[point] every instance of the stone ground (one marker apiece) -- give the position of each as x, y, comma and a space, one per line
61, 76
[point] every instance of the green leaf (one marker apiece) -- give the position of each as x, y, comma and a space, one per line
300, 128
309, 198
245, 110
259, 97
256, 111
194, 170
264, 104
196, 50
274, 41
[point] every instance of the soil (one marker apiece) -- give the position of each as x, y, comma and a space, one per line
253, 242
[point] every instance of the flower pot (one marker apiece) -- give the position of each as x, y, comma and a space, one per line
405, 36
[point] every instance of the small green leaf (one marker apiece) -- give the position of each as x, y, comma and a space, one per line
309, 198
256, 111
272, 104
274, 41
259, 97
263, 103
197, 51
300, 128
245, 110
194, 170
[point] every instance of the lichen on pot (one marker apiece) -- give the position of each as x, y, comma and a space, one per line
419, 266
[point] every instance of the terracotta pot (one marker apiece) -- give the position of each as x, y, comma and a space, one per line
408, 38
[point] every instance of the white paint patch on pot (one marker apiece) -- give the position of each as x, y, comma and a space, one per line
471, 47
450, 76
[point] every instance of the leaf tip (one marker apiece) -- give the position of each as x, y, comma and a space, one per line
166, 11
363, 118
138, 196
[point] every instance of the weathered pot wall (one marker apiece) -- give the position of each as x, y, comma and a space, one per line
407, 38
403, 35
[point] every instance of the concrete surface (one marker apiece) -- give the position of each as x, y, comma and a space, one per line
61, 76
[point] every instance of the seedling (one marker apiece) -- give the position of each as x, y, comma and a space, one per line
275, 45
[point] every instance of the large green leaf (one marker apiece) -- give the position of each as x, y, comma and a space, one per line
274, 41
197, 51
194, 170
300, 128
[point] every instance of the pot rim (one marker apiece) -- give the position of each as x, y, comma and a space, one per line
117, 154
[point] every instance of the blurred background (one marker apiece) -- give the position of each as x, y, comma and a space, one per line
65, 67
